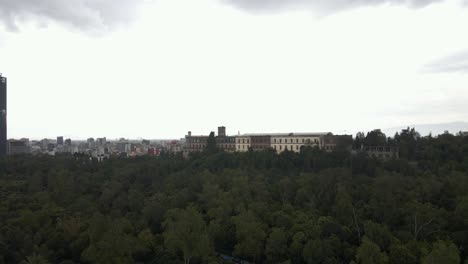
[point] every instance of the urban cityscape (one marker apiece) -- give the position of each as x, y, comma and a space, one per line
102, 148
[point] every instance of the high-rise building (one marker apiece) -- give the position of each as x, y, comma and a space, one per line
60, 140
3, 116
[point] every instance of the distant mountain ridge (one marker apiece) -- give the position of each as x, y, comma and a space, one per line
434, 129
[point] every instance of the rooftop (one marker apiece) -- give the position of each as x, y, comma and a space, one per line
302, 134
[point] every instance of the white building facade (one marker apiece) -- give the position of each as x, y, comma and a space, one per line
294, 141
243, 143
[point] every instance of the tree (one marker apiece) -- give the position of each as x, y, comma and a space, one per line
35, 259
407, 140
250, 236
297, 246
345, 210
443, 252
111, 241
401, 254
375, 138
379, 234
185, 231
277, 245
370, 253
211, 144
318, 251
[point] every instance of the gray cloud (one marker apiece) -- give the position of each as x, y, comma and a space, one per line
96, 15
457, 62
319, 6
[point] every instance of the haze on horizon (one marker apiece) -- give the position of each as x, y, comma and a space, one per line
156, 69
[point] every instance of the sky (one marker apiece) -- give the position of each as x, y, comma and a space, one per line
159, 68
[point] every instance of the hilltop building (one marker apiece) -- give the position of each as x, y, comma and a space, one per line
198, 143
382, 152
277, 141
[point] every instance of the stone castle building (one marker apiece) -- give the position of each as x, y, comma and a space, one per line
277, 141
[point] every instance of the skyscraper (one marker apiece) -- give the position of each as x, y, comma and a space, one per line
3, 116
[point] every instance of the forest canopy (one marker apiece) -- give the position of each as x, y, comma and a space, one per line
254, 207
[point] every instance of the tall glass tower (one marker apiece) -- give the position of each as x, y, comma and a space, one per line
3, 115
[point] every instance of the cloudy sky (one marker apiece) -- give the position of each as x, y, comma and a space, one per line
156, 69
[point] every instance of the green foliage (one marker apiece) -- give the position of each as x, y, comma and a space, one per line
401, 254
211, 144
35, 259
370, 253
307, 207
185, 231
443, 252
250, 235
277, 246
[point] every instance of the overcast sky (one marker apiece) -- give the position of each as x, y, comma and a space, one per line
156, 69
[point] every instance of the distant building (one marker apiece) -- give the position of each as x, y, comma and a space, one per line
199, 143
174, 146
91, 143
50, 147
225, 142
3, 115
59, 140
122, 147
242, 143
279, 141
337, 142
383, 152
295, 141
17, 147
195, 143
260, 142
221, 131
101, 141
44, 143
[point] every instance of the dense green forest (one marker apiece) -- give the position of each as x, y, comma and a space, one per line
254, 207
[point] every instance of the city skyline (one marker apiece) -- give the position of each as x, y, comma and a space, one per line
423, 129
152, 69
